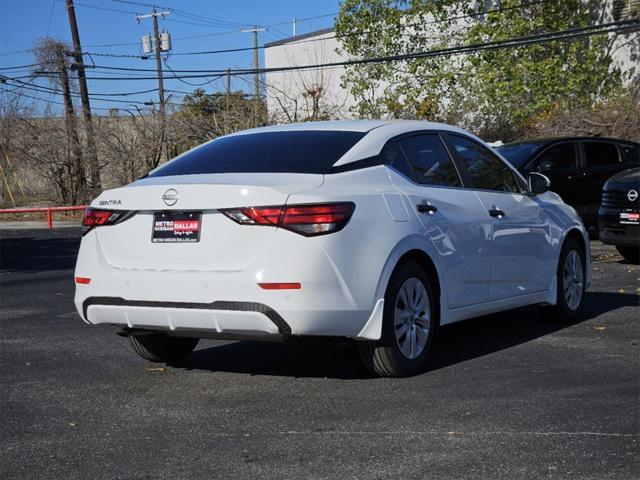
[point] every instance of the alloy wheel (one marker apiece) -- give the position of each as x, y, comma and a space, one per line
412, 320
573, 280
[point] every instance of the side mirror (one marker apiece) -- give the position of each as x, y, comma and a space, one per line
546, 165
538, 183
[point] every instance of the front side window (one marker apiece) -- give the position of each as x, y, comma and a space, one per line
303, 151
486, 171
430, 161
601, 154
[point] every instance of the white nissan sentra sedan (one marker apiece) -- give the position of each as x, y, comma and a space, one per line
379, 231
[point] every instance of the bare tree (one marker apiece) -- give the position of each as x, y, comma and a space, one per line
52, 57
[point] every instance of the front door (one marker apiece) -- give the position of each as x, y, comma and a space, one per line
560, 162
522, 254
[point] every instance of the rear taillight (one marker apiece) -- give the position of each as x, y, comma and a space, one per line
94, 217
308, 220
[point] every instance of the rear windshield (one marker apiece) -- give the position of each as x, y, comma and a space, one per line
519, 153
292, 152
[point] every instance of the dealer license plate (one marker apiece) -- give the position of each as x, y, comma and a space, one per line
630, 218
176, 227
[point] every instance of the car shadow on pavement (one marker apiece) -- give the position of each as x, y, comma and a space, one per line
454, 344
26, 254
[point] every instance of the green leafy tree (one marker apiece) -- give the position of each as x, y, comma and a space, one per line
495, 93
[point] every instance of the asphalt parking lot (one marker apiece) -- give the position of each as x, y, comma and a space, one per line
506, 396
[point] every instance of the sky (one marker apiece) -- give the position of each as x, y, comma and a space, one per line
113, 23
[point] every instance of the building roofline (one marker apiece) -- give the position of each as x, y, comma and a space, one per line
284, 41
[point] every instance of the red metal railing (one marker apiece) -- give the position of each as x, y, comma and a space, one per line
46, 210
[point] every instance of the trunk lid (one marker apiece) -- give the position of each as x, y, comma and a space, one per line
223, 246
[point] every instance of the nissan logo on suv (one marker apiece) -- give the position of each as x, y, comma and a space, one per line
632, 195
170, 197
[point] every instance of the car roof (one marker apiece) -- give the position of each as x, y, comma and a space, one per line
346, 125
547, 140
378, 133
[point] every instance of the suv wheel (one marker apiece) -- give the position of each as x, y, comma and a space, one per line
409, 323
158, 347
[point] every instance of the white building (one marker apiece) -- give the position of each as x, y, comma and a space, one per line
310, 93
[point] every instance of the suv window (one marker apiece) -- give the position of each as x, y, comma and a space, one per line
629, 153
487, 171
430, 161
601, 153
562, 155
304, 151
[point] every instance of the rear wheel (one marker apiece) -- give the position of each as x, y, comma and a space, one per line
630, 254
571, 282
162, 348
408, 327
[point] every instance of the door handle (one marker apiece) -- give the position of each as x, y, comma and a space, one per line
494, 212
426, 208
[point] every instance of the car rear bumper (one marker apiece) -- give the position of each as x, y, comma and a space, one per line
221, 317
328, 303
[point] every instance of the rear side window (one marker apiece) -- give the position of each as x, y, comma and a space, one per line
562, 155
291, 152
430, 161
392, 155
629, 153
487, 171
600, 153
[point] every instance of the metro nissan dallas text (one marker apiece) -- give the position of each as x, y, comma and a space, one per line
377, 231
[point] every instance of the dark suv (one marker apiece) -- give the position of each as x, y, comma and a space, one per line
578, 167
619, 214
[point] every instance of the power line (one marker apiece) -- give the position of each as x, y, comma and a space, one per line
189, 83
544, 37
20, 66
96, 7
112, 94
53, 101
335, 36
183, 13
52, 91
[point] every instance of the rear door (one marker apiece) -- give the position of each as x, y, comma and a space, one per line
602, 161
452, 217
522, 253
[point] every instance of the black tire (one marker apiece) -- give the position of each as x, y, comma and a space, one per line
162, 348
384, 357
630, 254
561, 311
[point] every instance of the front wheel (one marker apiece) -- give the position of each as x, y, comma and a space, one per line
630, 254
158, 347
409, 322
571, 282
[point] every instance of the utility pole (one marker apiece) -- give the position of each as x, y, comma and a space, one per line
158, 48
228, 102
71, 125
256, 76
94, 166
